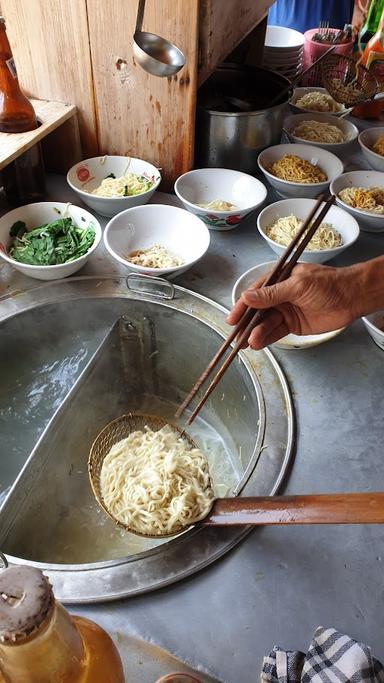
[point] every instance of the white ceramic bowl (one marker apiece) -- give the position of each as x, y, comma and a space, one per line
182, 233
367, 139
87, 175
283, 38
349, 130
368, 221
300, 92
205, 185
291, 341
344, 223
375, 326
328, 162
37, 214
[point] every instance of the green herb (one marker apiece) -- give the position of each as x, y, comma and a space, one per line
50, 244
126, 193
111, 175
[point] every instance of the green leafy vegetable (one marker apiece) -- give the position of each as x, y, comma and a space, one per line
57, 242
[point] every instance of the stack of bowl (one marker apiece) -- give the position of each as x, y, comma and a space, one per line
283, 51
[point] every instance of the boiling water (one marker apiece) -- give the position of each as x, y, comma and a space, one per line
81, 532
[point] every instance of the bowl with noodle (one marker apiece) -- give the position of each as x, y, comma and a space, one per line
156, 239
322, 130
371, 143
110, 184
315, 99
221, 197
279, 222
361, 193
299, 169
291, 341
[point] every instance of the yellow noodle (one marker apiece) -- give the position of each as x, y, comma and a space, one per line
284, 229
156, 482
296, 170
218, 205
155, 256
365, 198
378, 147
318, 101
319, 131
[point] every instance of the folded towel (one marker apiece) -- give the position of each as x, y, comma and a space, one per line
332, 658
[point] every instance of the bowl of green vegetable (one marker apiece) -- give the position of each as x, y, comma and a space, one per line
111, 184
48, 240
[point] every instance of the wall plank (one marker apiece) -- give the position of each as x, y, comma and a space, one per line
49, 40
139, 114
223, 25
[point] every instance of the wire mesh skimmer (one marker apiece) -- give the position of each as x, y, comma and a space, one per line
347, 81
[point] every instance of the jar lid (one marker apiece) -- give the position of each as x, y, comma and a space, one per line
26, 598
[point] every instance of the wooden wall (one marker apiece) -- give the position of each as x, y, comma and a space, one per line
80, 51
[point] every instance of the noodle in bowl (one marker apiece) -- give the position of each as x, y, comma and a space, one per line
368, 220
329, 164
315, 100
297, 123
129, 182
344, 227
368, 140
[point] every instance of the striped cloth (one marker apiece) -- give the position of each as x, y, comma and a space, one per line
332, 658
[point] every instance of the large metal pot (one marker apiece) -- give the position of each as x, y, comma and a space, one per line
234, 122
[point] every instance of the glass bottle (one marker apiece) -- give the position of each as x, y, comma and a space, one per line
41, 643
373, 55
23, 179
371, 25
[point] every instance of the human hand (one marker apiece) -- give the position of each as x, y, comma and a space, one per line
312, 300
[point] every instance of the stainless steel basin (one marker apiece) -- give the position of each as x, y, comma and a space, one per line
78, 354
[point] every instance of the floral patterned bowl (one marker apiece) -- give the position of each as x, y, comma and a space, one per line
221, 197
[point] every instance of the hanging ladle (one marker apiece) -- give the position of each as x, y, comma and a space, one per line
330, 508
155, 55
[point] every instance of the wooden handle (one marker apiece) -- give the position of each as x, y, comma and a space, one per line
334, 508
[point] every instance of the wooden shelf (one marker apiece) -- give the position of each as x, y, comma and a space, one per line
52, 115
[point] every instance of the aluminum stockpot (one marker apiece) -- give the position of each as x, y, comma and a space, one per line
233, 121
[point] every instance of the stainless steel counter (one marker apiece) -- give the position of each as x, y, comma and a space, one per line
280, 583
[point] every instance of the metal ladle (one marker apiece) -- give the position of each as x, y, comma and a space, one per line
155, 55
332, 508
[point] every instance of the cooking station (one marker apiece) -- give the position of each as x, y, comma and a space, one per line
279, 584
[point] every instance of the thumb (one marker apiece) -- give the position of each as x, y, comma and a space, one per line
267, 297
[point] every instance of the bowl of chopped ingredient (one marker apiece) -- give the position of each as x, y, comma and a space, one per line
371, 142
303, 170
221, 197
374, 324
361, 193
278, 223
315, 100
48, 240
291, 341
110, 184
156, 239
322, 130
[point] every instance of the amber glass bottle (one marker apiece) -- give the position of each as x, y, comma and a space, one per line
41, 643
23, 179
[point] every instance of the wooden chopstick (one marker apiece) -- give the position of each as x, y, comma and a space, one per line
251, 318
248, 314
